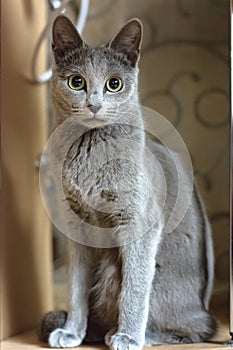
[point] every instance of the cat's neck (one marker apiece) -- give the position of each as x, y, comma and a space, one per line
127, 123
120, 131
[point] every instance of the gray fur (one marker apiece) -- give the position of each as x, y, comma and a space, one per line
157, 288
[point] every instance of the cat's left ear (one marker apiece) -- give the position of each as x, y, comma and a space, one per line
128, 40
65, 37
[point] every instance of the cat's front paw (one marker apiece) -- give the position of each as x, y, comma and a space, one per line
122, 341
63, 338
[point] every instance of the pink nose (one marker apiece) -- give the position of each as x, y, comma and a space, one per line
95, 108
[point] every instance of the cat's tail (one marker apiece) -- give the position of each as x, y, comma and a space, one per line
49, 322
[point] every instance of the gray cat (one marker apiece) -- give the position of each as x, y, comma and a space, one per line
153, 288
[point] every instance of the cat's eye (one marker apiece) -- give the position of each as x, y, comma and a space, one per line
114, 84
76, 82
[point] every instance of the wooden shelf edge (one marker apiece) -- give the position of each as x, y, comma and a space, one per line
29, 341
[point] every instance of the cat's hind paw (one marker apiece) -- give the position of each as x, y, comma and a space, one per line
121, 341
62, 338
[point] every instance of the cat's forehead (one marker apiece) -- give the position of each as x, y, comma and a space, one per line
101, 60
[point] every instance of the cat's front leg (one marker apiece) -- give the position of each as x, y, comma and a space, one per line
138, 267
74, 331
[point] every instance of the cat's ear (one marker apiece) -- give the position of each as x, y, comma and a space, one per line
65, 37
128, 40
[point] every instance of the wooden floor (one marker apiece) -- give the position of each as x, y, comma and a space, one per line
28, 341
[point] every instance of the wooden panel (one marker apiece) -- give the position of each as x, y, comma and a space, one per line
25, 247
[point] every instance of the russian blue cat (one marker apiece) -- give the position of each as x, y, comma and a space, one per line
153, 288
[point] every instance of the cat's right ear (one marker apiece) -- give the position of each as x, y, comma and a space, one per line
65, 37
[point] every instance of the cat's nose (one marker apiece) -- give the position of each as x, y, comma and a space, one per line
95, 108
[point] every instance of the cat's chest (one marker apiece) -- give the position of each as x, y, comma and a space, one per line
100, 163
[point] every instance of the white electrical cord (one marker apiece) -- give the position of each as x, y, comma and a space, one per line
58, 7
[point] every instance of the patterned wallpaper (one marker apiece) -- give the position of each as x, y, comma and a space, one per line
184, 75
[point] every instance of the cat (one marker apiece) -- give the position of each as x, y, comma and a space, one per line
154, 288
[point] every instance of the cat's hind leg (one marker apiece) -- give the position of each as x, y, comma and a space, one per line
165, 337
199, 328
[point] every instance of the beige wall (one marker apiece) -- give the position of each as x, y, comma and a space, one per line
25, 247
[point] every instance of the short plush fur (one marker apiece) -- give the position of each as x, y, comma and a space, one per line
155, 289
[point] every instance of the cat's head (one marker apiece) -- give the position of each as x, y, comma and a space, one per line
95, 84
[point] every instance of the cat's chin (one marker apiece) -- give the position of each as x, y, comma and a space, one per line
92, 122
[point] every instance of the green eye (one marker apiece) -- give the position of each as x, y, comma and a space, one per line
76, 82
114, 84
